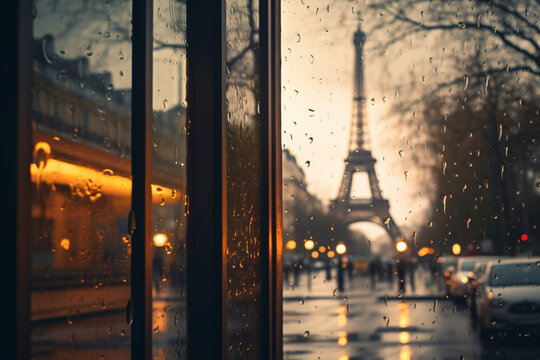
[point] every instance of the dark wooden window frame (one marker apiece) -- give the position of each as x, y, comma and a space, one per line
207, 221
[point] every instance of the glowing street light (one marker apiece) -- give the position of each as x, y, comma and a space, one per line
290, 245
401, 246
309, 244
341, 249
160, 240
456, 249
322, 249
315, 254
330, 254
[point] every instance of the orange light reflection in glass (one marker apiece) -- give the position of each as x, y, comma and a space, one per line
330, 254
160, 240
60, 172
290, 245
322, 249
65, 243
315, 254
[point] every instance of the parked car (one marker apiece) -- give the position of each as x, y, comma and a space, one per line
447, 265
509, 296
477, 273
459, 279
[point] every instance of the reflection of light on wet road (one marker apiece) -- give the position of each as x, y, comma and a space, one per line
403, 314
405, 353
404, 337
342, 340
404, 320
342, 316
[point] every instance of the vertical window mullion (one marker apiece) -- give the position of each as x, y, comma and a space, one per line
141, 258
207, 187
275, 178
15, 114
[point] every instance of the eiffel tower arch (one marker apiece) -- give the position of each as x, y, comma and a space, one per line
374, 209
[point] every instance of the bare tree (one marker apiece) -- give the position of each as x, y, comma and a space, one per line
510, 26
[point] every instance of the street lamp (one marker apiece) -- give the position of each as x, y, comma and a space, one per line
309, 244
401, 246
341, 249
456, 249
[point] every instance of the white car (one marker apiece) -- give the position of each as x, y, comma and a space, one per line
509, 297
459, 279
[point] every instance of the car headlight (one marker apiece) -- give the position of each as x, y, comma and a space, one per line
464, 279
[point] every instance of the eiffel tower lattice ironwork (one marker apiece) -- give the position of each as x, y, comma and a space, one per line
375, 209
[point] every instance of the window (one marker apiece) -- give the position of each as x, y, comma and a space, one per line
144, 215
410, 179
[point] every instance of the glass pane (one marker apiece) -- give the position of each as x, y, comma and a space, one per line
244, 177
169, 180
411, 179
81, 179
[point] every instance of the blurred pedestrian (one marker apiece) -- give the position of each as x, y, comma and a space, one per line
412, 268
328, 269
401, 276
341, 276
390, 273
372, 268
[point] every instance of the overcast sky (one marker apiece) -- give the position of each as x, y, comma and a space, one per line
317, 79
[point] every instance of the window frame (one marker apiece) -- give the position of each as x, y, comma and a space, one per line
206, 173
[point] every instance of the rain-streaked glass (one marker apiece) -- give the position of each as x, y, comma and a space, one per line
244, 181
410, 136
81, 180
169, 180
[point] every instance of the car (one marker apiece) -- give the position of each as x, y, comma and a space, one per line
447, 265
509, 297
476, 273
459, 279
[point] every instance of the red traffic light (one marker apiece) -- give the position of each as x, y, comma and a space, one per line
524, 237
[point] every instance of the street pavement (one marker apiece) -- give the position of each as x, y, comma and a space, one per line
366, 323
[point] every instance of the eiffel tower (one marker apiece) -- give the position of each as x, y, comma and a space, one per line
360, 161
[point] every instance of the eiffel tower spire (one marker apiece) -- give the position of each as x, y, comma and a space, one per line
375, 208
359, 135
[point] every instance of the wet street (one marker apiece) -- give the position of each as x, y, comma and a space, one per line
362, 323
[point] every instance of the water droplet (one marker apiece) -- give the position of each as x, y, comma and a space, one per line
443, 199
306, 334
131, 222
168, 248
308, 163
130, 308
